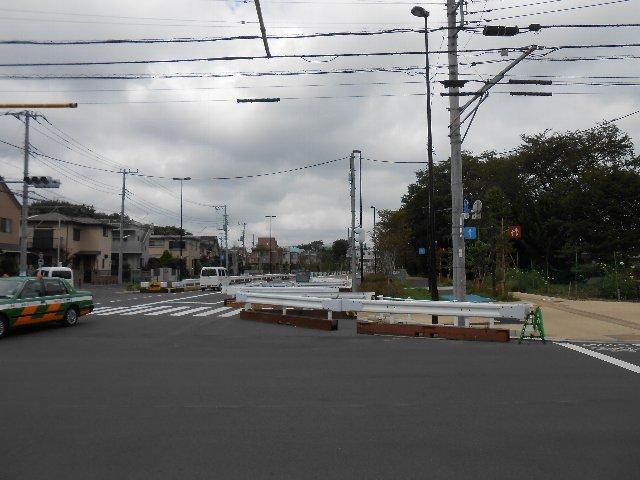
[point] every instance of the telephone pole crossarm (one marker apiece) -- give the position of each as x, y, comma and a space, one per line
487, 86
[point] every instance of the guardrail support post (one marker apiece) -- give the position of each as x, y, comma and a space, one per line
329, 315
284, 310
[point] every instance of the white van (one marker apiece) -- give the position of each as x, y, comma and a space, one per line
213, 278
57, 272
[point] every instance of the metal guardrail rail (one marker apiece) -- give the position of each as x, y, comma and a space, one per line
516, 311
320, 292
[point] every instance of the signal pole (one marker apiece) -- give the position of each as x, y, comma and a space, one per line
121, 249
226, 239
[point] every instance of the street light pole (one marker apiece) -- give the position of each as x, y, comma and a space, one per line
433, 278
181, 230
270, 217
375, 254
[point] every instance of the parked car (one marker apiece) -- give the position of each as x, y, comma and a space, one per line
27, 301
213, 278
57, 272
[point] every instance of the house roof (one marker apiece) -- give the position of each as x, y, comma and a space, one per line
5, 189
55, 216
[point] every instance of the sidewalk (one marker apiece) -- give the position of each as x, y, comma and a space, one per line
587, 319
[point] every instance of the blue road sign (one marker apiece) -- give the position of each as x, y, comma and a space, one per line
470, 233
465, 206
422, 251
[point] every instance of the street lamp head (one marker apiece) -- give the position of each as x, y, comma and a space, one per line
419, 12
357, 151
187, 178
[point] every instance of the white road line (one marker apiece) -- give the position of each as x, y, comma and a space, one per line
187, 312
231, 313
166, 310
605, 358
211, 312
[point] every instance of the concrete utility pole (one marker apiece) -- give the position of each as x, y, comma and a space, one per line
25, 198
375, 253
24, 215
360, 193
242, 239
270, 217
226, 239
121, 249
457, 240
352, 183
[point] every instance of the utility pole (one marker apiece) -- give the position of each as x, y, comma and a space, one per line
244, 252
361, 242
121, 249
352, 182
457, 240
226, 239
270, 217
455, 112
375, 253
25, 198
24, 215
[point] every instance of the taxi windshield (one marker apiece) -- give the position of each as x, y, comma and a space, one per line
9, 287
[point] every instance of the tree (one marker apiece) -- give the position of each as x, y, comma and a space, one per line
393, 235
169, 230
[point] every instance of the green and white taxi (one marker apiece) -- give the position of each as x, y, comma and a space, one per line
27, 301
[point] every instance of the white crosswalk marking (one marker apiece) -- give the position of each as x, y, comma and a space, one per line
231, 313
166, 310
211, 312
187, 312
144, 309
122, 310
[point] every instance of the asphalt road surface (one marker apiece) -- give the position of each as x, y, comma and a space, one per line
169, 386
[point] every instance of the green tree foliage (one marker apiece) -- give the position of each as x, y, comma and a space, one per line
574, 193
169, 230
393, 235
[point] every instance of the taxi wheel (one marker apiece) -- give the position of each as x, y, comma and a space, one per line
4, 327
70, 317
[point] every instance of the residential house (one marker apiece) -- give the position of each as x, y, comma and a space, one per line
135, 245
84, 244
260, 258
9, 230
210, 249
191, 252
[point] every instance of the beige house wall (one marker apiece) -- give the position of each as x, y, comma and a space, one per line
8, 209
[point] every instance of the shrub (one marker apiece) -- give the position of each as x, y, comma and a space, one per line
525, 280
382, 285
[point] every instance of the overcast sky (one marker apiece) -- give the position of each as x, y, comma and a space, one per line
194, 126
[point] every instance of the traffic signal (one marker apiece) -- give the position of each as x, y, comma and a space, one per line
500, 31
42, 182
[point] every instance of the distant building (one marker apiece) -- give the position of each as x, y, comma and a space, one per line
135, 248
191, 253
84, 244
259, 258
9, 230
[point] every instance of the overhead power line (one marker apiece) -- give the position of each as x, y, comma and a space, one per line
118, 41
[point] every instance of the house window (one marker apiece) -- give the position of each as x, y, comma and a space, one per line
5, 225
105, 231
156, 242
76, 234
